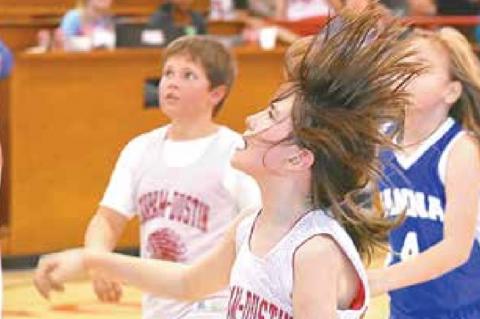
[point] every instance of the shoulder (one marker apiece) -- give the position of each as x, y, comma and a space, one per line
143, 141
71, 15
71, 22
319, 247
463, 155
466, 143
229, 137
462, 152
320, 231
228, 132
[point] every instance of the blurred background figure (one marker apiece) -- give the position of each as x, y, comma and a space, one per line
293, 9
90, 25
176, 18
6, 63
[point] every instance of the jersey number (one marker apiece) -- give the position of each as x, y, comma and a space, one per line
410, 246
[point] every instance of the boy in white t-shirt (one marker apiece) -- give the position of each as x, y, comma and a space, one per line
177, 179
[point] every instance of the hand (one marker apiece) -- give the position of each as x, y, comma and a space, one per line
107, 290
54, 269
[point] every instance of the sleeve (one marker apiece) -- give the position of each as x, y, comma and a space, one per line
71, 23
121, 189
6, 61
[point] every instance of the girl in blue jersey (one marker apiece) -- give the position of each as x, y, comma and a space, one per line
435, 180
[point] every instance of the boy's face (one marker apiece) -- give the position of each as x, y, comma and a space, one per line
184, 90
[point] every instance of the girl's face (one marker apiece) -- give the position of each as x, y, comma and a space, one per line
268, 140
432, 88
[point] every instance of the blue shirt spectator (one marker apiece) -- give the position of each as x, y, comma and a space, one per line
71, 24
6, 60
75, 24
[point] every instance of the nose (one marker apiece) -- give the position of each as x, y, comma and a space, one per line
169, 81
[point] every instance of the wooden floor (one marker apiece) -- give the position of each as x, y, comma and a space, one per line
22, 301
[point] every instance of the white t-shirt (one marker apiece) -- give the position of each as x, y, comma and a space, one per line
261, 287
185, 194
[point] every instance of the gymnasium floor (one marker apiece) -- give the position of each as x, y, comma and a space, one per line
22, 301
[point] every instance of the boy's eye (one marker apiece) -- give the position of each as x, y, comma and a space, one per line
190, 75
167, 73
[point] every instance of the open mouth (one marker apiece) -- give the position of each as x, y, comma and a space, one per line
171, 97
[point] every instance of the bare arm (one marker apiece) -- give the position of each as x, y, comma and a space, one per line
103, 233
168, 279
104, 229
323, 279
162, 278
462, 191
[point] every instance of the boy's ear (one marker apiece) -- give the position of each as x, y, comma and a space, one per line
218, 93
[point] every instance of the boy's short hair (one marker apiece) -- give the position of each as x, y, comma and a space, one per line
217, 61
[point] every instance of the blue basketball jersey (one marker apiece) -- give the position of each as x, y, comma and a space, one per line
416, 185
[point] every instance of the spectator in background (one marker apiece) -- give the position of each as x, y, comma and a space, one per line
176, 18
450, 8
6, 60
293, 9
91, 19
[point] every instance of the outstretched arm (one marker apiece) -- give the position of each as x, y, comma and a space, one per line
462, 188
162, 278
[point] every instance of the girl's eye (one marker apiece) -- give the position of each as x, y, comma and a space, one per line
270, 114
168, 73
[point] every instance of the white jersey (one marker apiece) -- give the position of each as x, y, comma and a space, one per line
261, 287
302, 9
184, 205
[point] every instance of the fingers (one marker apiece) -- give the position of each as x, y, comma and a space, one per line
44, 275
107, 291
41, 277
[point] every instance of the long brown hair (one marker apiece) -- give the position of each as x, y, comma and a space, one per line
465, 68
350, 83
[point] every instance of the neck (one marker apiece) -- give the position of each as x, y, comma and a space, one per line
287, 208
191, 129
420, 126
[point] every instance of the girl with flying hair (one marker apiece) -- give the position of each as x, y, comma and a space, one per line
435, 180
310, 151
